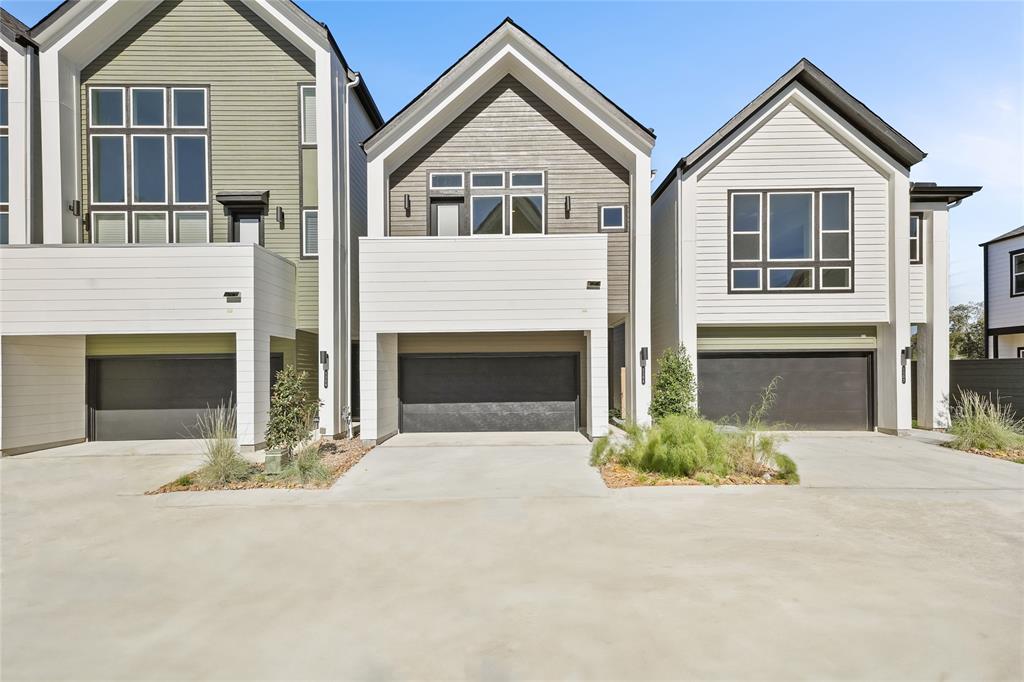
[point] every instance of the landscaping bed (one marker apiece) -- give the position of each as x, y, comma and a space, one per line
982, 427
619, 476
1016, 456
336, 456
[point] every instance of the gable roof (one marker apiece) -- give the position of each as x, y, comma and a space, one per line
1016, 232
14, 28
842, 102
362, 91
509, 24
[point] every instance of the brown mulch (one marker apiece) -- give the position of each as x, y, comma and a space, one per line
338, 455
618, 476
1016, 456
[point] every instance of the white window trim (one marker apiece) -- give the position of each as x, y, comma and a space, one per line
92, 224
760, 277
124, 107
174, 227
1014, 272
768, 231
848, 231
513, 174
93, 185
613, 228
135, 225
131, 108
757, 233
472, 206
206, 109
134, 166
768, 283
472, 180
302, 113
849, 278
543, 215
462, 180
174, 170
305, 247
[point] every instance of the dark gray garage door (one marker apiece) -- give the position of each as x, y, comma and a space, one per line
139, 398
483, 392
816, 390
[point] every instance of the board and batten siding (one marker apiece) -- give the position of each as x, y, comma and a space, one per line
1003, 310
792, 151
42, 391
253, 75
511, 128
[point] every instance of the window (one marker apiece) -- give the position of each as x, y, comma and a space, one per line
108, 169
796, 240
528, 214
916, 228
445, 217
1020, 352
5, 177
487, 180
148, 108
191, 227
149, 169
189, 107
488, 215
308, 103
1017, 273
189, 169
151, 228
310, 234
446, 181
532, 179
110, 227
106, 107
613, 218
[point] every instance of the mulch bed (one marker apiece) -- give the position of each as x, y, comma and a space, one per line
338, 455
1016, 456
618, 476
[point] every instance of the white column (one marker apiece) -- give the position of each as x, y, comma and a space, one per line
376, 198
893, 384
60, 137
252, 390
368, 386
686, 224
638, 325
597, 382
933, 337
18, 169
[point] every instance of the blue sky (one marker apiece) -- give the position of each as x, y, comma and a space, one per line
948, 75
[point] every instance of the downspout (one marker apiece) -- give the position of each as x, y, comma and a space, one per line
347, 398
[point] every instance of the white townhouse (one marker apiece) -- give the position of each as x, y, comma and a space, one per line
793, 244
1004, 295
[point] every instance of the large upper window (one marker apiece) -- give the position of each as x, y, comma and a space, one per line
498, 202
148, 169
791, 241
1017, 273
5, 177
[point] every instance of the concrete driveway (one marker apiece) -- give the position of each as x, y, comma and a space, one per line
896, 560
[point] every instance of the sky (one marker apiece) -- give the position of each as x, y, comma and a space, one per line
948, 75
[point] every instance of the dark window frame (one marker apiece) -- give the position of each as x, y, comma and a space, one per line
918, 241
1013, 274
5, 207
301, 146
467, 193
817, 264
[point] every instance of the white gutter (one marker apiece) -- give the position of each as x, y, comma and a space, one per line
347, 397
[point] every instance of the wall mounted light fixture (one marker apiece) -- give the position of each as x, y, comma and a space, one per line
408, 206
568, 206
280, 218
75, 206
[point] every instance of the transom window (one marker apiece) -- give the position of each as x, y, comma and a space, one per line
1017, 273
148, 164
499, 202
791, 241
916, 234
5, 160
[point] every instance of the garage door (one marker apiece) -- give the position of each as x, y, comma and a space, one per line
139, 398
483, 392
815, 390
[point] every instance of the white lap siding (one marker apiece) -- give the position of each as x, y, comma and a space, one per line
792, 151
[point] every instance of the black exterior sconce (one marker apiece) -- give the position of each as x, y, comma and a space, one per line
408, 206
75, 206
643, 365
280, 218
568, 206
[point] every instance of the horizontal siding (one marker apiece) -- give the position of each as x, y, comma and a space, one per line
792, 151
918, 293
99, 345
433, 284
664, 272
1003, 310
502, 342
786, 338
42, 390
252, 72
361, 127
510, 128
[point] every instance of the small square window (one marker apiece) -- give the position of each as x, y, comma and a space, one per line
488, 180
148, 108
310, 233
189, 108
192, 227
151, 228
835, 278
790, 278
527, 179
446, 181
746, 279
613, 217
109, 228
746, 212
106, 107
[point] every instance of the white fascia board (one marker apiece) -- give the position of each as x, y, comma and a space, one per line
821, 113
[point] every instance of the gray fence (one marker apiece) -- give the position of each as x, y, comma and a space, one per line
1001, 380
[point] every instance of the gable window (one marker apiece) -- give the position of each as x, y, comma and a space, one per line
1017, 273
308, 115
310, 233
5, 177
487, 180
148, 180
613, 218
790, 240
916, 234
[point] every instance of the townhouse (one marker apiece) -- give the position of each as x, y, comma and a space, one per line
793, 244
1004, 294
199, 187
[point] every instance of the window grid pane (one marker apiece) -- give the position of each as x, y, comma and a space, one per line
106, 107
446, 181
108, 169
149, 169
527, 215
151, 228
790, 227
527, 179
310, 234
109, 228
309, 134
488, 215
189, 108
191, 228
190, 169
148, 107
488, 180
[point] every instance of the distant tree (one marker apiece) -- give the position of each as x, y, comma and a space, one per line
675, 388
967, 331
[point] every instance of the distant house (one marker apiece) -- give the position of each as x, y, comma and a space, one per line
1004, 294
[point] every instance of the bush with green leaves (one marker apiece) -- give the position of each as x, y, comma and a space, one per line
980, 424
292, 410
675, 388
221, 462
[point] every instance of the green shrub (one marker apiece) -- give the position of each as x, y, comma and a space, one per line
786, 468
221, 461
675, 389
307, 465
980, 424
292, 409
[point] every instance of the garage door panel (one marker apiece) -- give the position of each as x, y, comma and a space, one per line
815, 391
496, 416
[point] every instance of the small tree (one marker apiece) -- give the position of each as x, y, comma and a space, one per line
674, 390
291, 410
